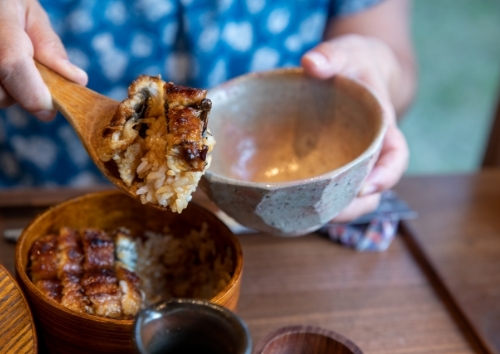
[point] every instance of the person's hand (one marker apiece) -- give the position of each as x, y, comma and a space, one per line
372, 62
25, 35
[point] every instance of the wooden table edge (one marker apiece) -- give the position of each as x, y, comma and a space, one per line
431, 272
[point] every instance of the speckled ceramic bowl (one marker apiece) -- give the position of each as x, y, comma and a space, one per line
291, 151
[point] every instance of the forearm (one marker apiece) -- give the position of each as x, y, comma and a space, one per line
388, 22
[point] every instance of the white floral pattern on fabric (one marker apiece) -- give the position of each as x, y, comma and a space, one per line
16, 117
39, 150
191, 42
264, 58
278, 20
9, 164
238, 36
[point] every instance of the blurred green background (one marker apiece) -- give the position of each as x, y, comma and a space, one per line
457, 45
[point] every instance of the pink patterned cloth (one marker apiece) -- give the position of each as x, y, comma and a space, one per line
373, 232
377, 235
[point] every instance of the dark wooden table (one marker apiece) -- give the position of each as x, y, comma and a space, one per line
458, 232
435, 290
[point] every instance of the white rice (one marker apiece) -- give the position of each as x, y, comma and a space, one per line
188, 266
165, 180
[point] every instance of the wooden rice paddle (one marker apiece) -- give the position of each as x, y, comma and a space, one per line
89, 113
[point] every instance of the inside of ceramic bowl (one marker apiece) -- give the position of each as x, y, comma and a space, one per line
284, 127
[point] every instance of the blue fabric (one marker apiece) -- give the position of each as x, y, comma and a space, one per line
193, 42
342, 8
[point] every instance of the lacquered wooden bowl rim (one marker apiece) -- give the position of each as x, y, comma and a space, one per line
21, 271
271, 337
25, 307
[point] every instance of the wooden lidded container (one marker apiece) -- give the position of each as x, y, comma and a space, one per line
65, 331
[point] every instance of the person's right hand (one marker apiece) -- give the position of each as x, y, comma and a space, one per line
26, 34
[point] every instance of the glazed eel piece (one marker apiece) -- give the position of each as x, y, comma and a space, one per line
187, 121
158, 142
185, 110
99, 280
43, 258
81, 271
70, 271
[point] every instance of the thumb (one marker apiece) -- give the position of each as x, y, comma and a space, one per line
391, 164
48, 48
324, 61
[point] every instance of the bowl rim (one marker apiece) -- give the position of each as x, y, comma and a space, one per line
21, 269
297, 71
305, 329
25, 305
173, 306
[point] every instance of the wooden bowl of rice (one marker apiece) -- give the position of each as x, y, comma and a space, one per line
65, 331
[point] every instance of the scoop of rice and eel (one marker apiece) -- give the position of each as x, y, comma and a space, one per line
159, 141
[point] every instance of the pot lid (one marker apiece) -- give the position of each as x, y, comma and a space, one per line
17, 332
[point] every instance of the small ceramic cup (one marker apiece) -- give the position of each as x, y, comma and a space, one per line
291, 151
306, 339
190, 326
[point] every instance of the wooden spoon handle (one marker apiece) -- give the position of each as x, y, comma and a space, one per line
86, 110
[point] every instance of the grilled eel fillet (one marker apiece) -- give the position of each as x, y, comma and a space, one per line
43, 259
186, 112
79, 271
187, 118
99, 280
70, 271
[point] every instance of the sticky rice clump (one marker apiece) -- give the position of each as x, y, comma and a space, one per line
190, 266
158, 141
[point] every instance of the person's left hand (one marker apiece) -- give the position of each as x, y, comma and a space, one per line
372, 62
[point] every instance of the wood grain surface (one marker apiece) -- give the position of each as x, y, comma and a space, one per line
383, 302
32, 198
380, 301
459, 232
17, 330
